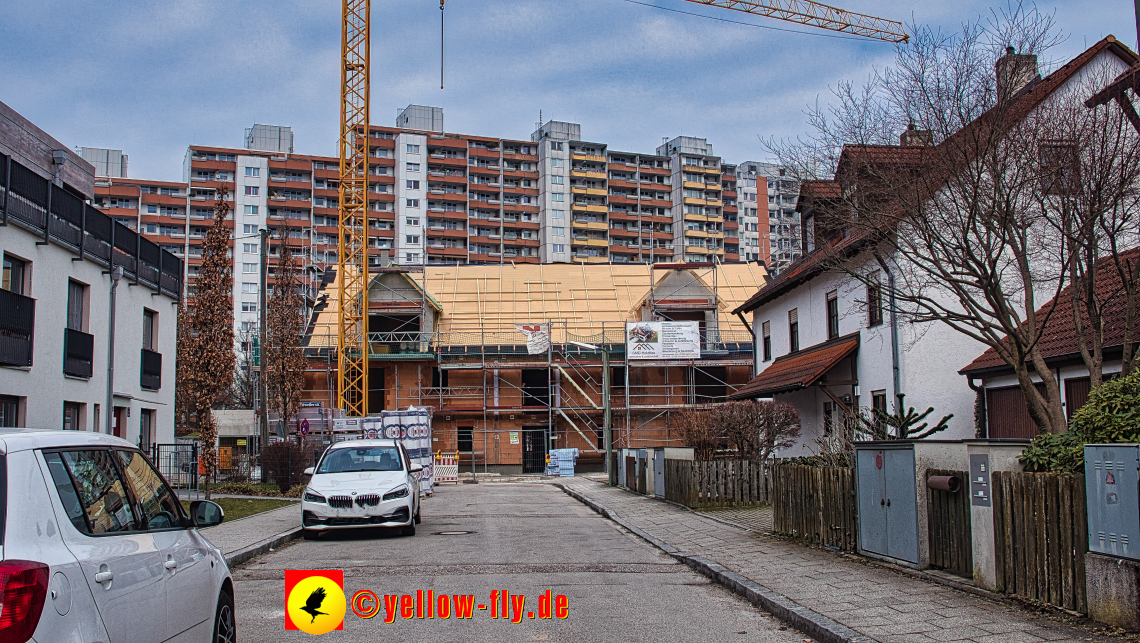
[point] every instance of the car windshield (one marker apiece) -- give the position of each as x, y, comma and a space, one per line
361, 459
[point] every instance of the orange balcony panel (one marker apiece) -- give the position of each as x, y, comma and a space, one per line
460, 197
291, 164
385, 143
520, 225
383, 234
447, 252
450, 162
451, 234
447, 142
448, 214
483, 152
484, 240
475, 169
620, 232
211, 165
526, 243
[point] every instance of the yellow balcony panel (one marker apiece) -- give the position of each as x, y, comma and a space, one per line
696, 217
697, 250
693, 185
692, 201
716, 202
598, 208
596, 191
597, 225
579, 207
580, 224
588, 157
597, 259
578, 173
693, 168
597, 242
577, 189
700, 234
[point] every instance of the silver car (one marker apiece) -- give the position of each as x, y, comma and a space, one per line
94, 546
362, 483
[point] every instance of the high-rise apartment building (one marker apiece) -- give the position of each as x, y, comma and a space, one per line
784, 245
439, 198
108, 163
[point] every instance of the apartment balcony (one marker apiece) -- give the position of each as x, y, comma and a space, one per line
78, 353
150, 376
17, 327
589, 157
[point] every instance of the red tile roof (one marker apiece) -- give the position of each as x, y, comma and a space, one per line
1059, 338
798, 370
811, 265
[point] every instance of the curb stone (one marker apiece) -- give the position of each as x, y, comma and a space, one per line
245, 554
816, 625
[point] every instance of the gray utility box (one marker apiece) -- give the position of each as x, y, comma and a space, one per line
890, 487
1112, 491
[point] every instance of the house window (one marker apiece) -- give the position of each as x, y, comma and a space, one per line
767, 340
146, 429
252, 190
557, 214
249, 228
557, 180
251, 210
413, 167
248, 307
253, 171
556, 163
413, 149
412, 185
879, 401
464, 438
555, 145
249, 268
794, 329
9, 411
152, 209
558, 231
412, 221
557, 197
72, 416
832, 315
248, 287
558, 247
250, 248
13, 275
874, 303
76, 305
412, 238
150, 330
412, 203
1060, 168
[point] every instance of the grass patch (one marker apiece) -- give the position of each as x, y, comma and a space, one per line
240, 508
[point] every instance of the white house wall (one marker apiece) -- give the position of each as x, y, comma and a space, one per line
43, 388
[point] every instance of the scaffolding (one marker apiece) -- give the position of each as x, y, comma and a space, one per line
450, 338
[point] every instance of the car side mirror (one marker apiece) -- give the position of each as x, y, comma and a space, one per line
416, 468
308, 471
204, 513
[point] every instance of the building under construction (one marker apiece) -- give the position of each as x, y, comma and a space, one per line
455, 338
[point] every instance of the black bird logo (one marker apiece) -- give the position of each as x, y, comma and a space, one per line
313, 603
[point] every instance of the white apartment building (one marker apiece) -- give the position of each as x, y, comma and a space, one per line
66, 267
753, 213
698, 207
555, 228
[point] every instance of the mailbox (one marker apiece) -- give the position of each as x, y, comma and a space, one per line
1112, 491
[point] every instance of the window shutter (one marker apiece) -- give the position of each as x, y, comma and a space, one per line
793, 316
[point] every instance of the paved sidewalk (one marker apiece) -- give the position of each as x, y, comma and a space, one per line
875, 602
754, 518
244, 537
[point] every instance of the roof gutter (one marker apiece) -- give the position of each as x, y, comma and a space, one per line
894, 328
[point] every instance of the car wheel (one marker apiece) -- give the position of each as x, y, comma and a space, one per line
310, 534
225, 630
410, 530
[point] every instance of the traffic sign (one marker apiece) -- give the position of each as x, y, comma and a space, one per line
304, 427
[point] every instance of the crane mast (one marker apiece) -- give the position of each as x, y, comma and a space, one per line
352, 254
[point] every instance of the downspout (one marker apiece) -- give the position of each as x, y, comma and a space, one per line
894, 328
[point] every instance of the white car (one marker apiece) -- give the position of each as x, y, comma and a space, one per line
94, 546
362, 483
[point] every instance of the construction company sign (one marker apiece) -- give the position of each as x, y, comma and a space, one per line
537, 337
663, 340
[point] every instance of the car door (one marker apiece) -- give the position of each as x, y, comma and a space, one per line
190, 595
117, 555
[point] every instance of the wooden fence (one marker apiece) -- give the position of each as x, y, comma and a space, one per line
815, 503
1041, 529
717, 484
948, 520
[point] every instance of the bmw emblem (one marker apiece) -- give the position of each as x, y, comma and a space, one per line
354, 493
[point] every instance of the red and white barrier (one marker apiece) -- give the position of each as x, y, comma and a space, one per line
447, 468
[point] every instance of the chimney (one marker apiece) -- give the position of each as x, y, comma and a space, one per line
1014, 72
914, 137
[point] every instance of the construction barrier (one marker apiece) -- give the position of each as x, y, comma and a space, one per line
447, 468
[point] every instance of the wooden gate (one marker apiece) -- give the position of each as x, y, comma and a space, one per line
948, 519
1041, 529
631, 473
816, 503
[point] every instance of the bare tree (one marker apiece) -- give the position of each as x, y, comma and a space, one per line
779, 428
206, 345
242, 394
697, 432
284, 359
959, 217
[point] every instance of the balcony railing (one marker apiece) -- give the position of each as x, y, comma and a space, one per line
17, 325
150, 376
78, 353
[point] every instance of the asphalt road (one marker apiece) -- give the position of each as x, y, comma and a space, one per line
523, 538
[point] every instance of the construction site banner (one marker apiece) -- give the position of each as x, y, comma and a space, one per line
663, 340
537, 337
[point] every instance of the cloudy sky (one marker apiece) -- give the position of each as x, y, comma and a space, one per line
153, 76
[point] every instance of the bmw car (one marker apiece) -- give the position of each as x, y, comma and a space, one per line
362, 483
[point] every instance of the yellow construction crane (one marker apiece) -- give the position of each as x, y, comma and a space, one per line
352, 256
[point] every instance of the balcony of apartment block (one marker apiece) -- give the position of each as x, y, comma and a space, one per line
617, 181
444, 250
437, 229
78, 353
450, 211
447, 175
446, 162
623, 232
446, 193
484, 237
17, 328
592, 191
596, 158
168, 200
710, 169
201, 163
518, 240
589, 223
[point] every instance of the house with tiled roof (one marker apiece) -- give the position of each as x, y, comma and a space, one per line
829, 342
1000, 399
